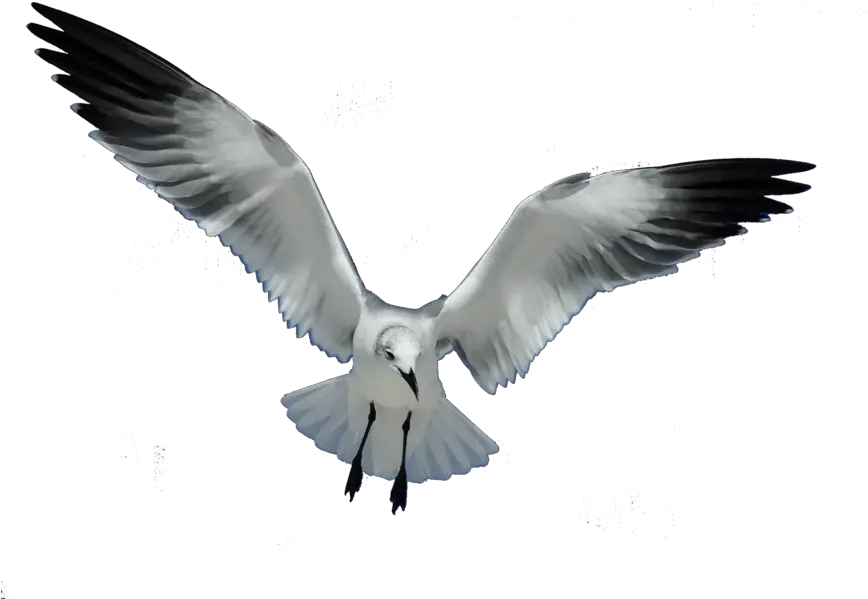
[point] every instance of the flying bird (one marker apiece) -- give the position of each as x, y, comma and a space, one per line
389, 416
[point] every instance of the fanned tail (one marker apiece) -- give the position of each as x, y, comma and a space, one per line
451, 443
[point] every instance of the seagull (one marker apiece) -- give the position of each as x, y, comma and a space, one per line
389, 416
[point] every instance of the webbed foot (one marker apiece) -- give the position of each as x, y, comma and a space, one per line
354, 481
399, 491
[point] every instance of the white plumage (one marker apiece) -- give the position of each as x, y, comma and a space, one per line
389, 417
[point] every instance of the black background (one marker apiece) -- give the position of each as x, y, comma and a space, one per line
666, 422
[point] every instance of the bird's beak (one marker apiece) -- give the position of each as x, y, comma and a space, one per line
410, 377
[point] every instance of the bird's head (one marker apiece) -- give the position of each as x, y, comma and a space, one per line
398, 348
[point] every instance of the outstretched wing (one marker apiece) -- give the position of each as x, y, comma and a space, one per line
586, 234
230, 174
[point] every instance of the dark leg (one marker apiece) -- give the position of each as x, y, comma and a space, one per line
354, 482
399, 489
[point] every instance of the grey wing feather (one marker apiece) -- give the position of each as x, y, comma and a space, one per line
583, 235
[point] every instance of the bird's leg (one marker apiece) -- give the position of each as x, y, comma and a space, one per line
354, 482
399, 488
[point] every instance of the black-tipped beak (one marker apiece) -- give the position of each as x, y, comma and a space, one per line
410, 377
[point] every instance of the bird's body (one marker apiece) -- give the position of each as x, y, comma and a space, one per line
377, 381
389, 416
373, 381
441, 441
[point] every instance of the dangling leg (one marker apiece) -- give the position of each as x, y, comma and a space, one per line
399, 488
354, 482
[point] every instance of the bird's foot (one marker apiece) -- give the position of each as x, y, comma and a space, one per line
354, 481
399, 491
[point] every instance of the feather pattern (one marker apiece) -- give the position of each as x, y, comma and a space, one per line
233, 176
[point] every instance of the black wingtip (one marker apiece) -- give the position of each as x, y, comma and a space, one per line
44, 10
98, 47
761, 167
803, 163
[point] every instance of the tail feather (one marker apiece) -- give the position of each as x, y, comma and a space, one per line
386, 442
430, 460
347, 450
452, 445
320, 412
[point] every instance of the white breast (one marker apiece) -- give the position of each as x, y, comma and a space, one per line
384, 388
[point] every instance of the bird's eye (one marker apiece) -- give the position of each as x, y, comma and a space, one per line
389, 355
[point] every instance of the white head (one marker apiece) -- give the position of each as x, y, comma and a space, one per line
398, 348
